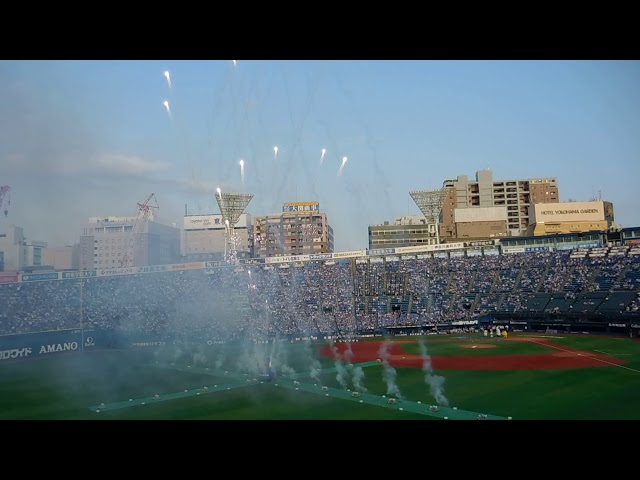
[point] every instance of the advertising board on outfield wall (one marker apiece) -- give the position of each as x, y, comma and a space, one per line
351, 254
480, 243
381, 251
34, 277
106, 272
13, 278
44, 343
430, 248
316, 256
80, 274
187, 266
287, 259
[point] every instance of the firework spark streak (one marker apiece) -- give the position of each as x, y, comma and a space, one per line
344, 162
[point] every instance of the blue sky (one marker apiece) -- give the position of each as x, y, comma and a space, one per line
93, 138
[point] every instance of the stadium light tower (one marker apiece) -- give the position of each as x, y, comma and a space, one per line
231, 206
430, 204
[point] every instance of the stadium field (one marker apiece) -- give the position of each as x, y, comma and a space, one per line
454, 376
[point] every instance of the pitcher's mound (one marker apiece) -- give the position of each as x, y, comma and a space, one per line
477, 345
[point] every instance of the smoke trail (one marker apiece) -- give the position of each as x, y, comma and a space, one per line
389, 373
279, 358
348, 353
220, 360
435, 382
177, 353
199, 358
342, 375
315, 363
251, 360
356, 377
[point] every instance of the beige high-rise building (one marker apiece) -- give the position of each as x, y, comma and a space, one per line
300, 229
516, 195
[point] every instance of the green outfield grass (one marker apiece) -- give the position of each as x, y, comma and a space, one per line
74, 386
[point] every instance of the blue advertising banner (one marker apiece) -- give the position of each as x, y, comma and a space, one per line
79, 274
39, 344
32, 277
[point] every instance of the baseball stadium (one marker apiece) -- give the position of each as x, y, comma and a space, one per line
496, 302
347, 335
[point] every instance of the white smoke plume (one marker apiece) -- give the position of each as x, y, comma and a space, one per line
435, 382
342, 375
389, 373
279, 358
315, 363
177, 354
357, 377
348, 353
252, 359
219, 360
199, 359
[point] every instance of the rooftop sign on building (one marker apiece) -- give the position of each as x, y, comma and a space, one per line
200, 222
301, 207
568, 212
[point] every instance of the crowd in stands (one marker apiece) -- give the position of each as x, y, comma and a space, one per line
324, 298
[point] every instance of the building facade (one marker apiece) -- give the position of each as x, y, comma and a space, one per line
515, 195
406, 231
106, 242
204, 237
570, 217
480, 223
300, 229
62, 258
13, 246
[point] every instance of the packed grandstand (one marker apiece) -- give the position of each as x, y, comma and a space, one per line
326, 298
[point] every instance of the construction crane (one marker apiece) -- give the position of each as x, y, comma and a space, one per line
4, 192
145, 211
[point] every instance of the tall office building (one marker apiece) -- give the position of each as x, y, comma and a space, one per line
516, 195
300, 229
105, 242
